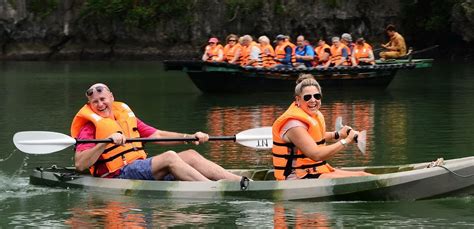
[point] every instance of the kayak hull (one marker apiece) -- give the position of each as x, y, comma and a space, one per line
406, 182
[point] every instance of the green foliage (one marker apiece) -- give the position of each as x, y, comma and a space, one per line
243, 6
133, 13
12, 3
428, 15
332, 3
279, 8
42, 8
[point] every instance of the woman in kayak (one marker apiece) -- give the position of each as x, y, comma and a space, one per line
299, 137
102, 117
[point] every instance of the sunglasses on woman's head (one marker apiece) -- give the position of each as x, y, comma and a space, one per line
99, 89
307, 97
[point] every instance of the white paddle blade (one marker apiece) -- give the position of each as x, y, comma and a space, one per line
41, 142
258, 138
338, 124
361, 141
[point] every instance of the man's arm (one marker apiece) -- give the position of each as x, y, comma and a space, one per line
147, 131
288, 52
85, 159
87, 154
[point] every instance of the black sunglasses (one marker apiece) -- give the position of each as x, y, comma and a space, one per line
99, 89
317, 96
232, 40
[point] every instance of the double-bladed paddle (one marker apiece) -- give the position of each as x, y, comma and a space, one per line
360, 139
45, 142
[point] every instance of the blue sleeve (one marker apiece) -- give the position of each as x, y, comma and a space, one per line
288, 51
345, 53
309, 51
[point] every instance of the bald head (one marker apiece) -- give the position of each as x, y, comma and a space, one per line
300, 41
98, 88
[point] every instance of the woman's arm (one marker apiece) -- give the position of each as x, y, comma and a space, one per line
303, 141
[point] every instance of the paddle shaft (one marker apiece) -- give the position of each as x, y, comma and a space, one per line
109, 140
424, 50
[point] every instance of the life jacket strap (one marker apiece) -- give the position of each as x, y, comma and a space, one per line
289, 144
119, 154
103, 161
301, 167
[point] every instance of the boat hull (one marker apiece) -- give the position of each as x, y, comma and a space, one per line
216, 82
224, 77
407, 182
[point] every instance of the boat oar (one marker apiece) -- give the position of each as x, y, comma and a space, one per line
423, 50
360, 139
45, 142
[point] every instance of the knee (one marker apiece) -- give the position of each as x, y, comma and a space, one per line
190, 156
168, 157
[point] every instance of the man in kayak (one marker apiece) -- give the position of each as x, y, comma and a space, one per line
396, 47
103, 118
299, 138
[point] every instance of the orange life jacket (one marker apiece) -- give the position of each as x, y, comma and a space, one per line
268, 55
336, 54
114, 156
286, 156
362, 52
245, 55
213, 52
320, 52
230, 52
280, 51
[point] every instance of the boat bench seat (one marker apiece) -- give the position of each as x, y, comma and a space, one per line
255, 174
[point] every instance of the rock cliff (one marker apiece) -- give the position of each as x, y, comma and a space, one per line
130, 29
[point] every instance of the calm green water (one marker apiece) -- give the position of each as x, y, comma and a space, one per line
422, 115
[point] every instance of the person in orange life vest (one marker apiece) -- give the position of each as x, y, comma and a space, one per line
268, 53
323, 52
304, 53
102, 117
232, 49
299, 137
396, 47
284, 51
339, 53
213, 52
362, 53
346, 39
250, 53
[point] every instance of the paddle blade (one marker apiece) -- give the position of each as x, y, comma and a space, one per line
361, 141
258, 138
338, 124
41, 142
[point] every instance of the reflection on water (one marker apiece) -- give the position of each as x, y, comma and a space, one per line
230, 120
124, 212
299, 215
423, 115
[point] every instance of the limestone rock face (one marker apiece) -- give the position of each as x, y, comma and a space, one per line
68, 29
463, 19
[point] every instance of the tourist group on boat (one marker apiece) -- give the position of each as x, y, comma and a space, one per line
246, 52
